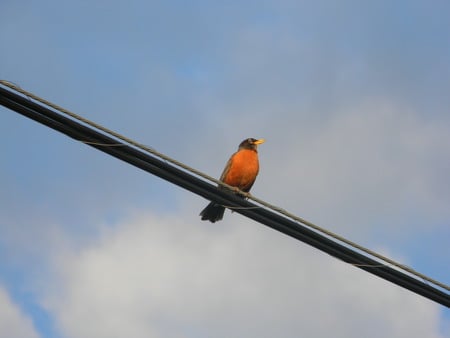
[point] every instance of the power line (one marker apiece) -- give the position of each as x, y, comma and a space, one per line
144, 157
214, 180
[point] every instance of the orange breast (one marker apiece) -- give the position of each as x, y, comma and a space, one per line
242, 169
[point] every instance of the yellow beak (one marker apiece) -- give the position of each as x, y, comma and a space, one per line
260, 141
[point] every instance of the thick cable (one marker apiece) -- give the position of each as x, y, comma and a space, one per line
244, 209
212, 179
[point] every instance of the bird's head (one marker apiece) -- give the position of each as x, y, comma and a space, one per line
251, 143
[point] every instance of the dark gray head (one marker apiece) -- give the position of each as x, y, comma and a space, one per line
250, 143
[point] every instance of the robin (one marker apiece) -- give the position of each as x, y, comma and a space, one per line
240, 172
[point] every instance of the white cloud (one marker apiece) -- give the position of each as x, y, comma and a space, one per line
13, 323
375, 163
165, 277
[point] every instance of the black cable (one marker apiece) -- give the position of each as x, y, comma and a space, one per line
153, 165
339, 239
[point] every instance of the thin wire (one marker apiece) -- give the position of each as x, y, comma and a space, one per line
103, 144
220, 183
369, 265
241, 208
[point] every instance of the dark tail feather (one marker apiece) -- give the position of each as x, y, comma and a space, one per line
213, 212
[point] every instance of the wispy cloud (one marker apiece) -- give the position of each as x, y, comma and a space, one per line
14, 323
168, 277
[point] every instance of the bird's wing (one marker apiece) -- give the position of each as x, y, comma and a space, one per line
226, 169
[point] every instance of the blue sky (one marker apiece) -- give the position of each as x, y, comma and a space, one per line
356, 93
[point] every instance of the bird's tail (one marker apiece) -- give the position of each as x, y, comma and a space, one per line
213, 212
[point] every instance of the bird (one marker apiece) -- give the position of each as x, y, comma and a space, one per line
240, 172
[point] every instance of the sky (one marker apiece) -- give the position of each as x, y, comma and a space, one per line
352, 99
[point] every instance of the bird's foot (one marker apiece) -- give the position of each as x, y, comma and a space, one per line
243, 194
